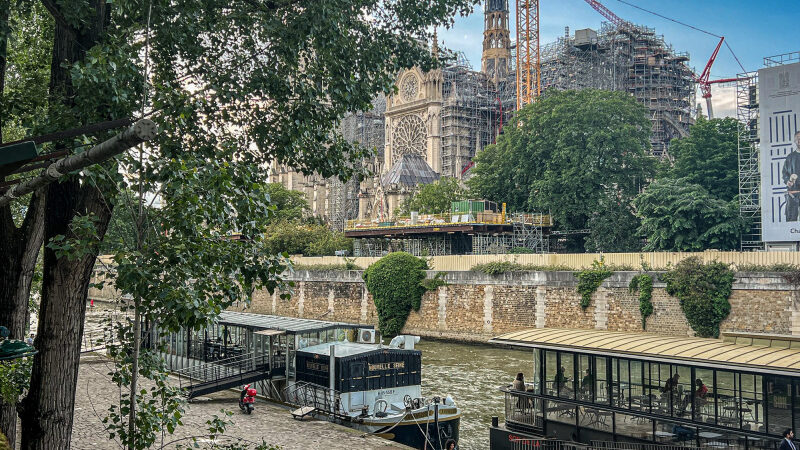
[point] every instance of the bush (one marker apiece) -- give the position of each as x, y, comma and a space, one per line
501, 267
395, 282
591, 279
305, 239
777, 267
644, 284
703, 291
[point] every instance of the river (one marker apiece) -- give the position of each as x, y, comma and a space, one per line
471, 374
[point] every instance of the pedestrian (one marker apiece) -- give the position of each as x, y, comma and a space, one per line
91, 303
450, 445
29, 340
787, 443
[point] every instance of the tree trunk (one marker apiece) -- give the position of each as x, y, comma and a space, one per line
18, 254
47, 411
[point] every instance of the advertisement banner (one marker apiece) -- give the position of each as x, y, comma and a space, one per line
779, 105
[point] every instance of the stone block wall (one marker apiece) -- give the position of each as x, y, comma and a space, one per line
475, 306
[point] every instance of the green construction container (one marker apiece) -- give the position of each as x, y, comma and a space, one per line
468, 207
19, 152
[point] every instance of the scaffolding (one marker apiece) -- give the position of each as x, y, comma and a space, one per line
366, 128
632, 59
749, 156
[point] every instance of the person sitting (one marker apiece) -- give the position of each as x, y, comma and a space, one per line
587, 382
519, 382
561, 381
671, 385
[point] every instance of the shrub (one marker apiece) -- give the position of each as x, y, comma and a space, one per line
591, 279
703, 291
395, 282
644, 284
501, 267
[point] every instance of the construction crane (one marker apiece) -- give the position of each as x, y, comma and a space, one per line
529, 69
610, 16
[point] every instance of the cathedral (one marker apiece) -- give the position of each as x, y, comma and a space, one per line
431, 128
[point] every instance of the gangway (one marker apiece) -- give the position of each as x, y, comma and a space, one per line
313, 399
209, 377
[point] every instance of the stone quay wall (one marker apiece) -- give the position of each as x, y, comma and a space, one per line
475, 306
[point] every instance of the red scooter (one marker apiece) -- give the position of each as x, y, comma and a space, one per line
247, 399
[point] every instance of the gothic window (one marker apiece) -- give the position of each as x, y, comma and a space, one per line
408, 137
409, 88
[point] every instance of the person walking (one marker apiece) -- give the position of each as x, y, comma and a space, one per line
787, 443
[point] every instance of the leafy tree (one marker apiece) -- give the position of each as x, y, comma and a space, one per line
680, 216
308, 239
434, 198
395, 282
567, 152
709, 157
289, 204
233, 87
614, 227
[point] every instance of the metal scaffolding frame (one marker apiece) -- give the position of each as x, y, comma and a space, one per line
747, 113
632, 59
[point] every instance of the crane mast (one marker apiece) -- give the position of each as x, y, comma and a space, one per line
529, 71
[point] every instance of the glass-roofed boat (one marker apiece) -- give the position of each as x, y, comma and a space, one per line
635, 390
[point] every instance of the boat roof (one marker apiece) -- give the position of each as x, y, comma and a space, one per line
344, 349
649, 346
291, 325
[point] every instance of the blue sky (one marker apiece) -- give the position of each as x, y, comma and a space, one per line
754, 29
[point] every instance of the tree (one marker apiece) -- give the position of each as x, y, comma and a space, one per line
434, 198
567, 152
680, 216
308, 239
289, 204
614, 227
233, 86
709, 157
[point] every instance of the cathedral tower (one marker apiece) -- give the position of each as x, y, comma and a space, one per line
496, 58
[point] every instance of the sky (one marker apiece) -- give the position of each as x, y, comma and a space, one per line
754, 29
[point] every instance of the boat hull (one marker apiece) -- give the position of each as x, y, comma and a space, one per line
413, 434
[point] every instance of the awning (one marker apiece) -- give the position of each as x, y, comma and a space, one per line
270, 332
649, 346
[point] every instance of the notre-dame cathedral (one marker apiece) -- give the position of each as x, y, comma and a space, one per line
431, 128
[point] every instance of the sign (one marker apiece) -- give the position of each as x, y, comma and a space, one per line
387, 366
779, 106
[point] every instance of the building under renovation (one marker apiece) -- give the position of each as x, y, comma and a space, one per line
627, 58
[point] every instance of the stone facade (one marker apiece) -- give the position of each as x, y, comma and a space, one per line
475, 306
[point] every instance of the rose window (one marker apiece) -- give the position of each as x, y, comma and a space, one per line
409, 88
408, 137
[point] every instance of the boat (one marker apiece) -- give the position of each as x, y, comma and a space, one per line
332, 370
375, 389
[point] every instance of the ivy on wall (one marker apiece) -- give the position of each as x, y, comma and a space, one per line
644, 284
396, 284
591, 279
703, 291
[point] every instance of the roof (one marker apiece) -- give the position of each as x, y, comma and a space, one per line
342, 349
410, 170
687, 350
288, 324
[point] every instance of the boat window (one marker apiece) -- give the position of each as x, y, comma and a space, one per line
779, 400
703, 395
551, 368
752, 402
727, 387
673, 433
537, 367
634, 426
682, 395
586, 386
565, 378
601, 369
637, 389
595, 418
621, 385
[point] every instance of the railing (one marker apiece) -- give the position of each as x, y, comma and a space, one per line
321, 398
541, 444
437, 220
607, 445
229, 368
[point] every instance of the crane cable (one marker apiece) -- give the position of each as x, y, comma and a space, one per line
689, 26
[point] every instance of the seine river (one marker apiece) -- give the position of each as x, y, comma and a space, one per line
471, 374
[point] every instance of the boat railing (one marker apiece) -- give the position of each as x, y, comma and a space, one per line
321, 398
608, 445
221, 369
543, 444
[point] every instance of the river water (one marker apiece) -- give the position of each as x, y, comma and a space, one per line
471, 374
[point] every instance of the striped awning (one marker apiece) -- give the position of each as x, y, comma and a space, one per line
650, 346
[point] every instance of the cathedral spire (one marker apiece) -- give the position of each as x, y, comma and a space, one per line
435, 44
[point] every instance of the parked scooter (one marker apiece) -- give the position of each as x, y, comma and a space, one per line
247, 399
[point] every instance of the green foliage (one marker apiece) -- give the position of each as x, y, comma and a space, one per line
703, 291
82, 240
521, 251
709, 157
644, 284
501, 267
434, 198
565, 154
285, 204
591, 279
614, 228
395, 282
777, 267
306, 239
431, 284
681, 216
15, 376
322, 267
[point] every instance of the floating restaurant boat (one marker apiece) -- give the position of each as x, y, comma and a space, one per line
330, 370
615, 390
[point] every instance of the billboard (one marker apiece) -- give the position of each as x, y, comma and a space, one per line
779, 106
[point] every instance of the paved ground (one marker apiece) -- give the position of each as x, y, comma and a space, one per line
273, 423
